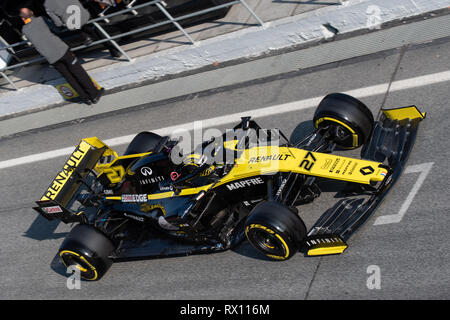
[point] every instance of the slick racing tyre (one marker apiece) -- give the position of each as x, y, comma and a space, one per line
87, 249
353, 119
302, 130
275, 230
143, 142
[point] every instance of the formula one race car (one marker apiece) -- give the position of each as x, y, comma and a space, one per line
155, 200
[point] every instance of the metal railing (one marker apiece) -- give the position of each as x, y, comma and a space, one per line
160, 4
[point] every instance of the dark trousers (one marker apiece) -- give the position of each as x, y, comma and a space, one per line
71, 69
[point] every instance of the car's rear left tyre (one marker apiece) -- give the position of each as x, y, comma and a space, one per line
87, 249
352, 118
275, 230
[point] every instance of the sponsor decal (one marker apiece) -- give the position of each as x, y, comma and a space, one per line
367, 170
67, 92
336, 162
327, 163
251, 202
280, 189
324, 240
174, 175
353, 168
50, 210
258, 226
62, 177
140, 219
149, 207
134, 198
347, 167
151, 180
272, 157
341, 166
146, 171
245, 183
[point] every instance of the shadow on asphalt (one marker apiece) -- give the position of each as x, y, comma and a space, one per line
246, 249
57, 266
42, 229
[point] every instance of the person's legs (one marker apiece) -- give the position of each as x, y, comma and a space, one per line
78, 72
62, 68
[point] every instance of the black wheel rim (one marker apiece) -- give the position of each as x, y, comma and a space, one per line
267, 242
86, 271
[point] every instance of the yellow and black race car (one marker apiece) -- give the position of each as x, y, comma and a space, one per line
156, 201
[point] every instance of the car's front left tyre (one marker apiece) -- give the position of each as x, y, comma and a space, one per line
275, 230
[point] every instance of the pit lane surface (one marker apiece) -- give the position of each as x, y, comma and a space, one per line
412, 255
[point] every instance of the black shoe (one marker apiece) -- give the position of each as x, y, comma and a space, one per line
86, 101
88, 41
96, 99
115, 53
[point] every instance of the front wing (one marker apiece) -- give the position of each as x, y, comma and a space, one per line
391, 143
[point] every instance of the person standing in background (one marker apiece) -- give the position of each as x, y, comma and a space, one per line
72, 15
59, 55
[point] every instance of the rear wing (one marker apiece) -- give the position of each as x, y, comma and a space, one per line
59, 195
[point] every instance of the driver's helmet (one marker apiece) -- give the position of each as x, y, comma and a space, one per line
193, 162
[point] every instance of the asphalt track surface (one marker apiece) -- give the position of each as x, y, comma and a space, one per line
410, 252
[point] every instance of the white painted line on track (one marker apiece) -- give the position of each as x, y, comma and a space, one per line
258, 113
424, 170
